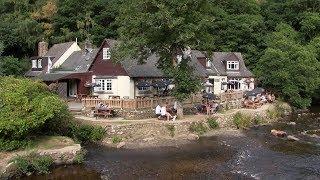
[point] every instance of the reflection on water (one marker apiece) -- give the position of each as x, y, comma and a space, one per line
257, 155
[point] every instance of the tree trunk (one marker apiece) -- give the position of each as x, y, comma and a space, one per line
179, 110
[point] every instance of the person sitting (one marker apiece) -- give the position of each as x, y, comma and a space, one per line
104, 107
263, 99
214, 107
164, 113
247, 103
158, 111
99, 105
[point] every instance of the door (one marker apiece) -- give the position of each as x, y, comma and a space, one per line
72, 88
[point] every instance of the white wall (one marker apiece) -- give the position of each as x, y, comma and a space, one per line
217, 83
74, 47
121, 86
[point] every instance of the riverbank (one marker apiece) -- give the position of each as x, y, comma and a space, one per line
61, 150
148, 133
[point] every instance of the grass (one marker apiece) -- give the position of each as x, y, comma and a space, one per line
33, 163
80, 157
258, 120
52, 142
171, 128
212, 123
279, 110
241, 120
116, 139
198, 127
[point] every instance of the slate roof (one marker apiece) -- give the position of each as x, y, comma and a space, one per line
218, 67
79, 61
53, 76
57, 50
147, 69
33, 73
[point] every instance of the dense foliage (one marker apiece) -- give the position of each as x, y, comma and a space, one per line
248, 26
28, 109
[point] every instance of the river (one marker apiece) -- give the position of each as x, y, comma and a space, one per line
251, 154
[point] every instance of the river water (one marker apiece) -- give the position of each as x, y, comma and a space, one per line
252, 155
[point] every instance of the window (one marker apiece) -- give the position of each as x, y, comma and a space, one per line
34, 64
232, 65
105, 84
106, 53
39, 63
209, 63
143, 88
234, 84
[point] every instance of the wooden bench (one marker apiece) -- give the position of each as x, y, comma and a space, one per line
104, 113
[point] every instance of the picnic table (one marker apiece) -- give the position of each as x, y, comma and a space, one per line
104, 112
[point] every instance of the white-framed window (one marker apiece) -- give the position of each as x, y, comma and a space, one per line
34, 64
106, 53
39, 63
232, 65
234, 84
105, 84
143, 88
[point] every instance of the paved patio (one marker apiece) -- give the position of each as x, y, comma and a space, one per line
75, 106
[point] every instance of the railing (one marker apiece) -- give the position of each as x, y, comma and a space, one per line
137, 103
145, 103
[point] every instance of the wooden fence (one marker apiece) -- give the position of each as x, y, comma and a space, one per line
146, 103
137, 103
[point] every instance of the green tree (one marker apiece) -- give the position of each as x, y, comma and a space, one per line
26, 107
289, 68
166, 28
12, 66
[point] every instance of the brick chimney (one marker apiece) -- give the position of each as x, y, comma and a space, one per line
42, 48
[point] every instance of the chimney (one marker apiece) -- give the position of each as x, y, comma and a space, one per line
42, 48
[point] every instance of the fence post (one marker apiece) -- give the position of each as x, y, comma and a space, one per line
135, 104
152, 103
121, 104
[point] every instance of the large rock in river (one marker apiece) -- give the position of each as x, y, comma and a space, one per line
278, 133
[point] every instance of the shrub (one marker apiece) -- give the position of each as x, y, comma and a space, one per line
116, 139
33, 163
10, 145
197, 127
258, 120
212, 123
241, 120
86, 133
22, 164
41, 164
279, 110
171, 128
27, 108
80, 157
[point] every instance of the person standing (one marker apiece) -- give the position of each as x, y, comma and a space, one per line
158, 111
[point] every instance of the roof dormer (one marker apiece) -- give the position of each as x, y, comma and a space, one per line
232, 65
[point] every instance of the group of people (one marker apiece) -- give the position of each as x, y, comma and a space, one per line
207, 107
101, 106
258, 100
166, 112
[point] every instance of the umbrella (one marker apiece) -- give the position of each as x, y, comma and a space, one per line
159, 84
251, 93
258, 90
91, 85
209, 96
254, 92
167, 82
143, 84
